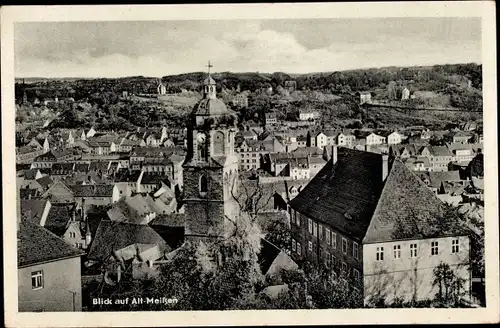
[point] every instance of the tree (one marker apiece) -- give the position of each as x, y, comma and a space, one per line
436, 141
450, 286
279, 234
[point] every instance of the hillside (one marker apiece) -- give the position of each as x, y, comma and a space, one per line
333, 94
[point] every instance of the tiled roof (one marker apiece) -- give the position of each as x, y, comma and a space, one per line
62, 153
82, 167
126, 176
112, 236
37, 245
33, 208
30, 174
466, 134
26, 193
101, 165
151, 178
62, 168
153, 151
353, 185
58, 218
169, 220
308, 151
97, 190
407, 209
49, 156
316, 160
440, 151
437, 177
26, 150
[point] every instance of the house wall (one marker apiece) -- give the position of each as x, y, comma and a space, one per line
321, 140
407, 277
393, 139
323, 250
60, 278
78, 240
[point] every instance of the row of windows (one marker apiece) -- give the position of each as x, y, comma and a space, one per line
248, 166
455, 248
248, 155
331, 261
330, 237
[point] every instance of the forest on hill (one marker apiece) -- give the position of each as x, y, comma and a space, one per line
102, 102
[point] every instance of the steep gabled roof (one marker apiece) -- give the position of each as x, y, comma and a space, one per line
33, 208
112, 236
38, 245
353, 185
58, 218
407, 209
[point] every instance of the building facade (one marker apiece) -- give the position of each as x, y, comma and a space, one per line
355, 225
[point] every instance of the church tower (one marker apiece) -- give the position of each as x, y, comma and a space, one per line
210, 171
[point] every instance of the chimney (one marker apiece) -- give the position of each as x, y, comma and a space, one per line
385, 166
334, 154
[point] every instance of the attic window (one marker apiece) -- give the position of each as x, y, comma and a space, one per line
348, 215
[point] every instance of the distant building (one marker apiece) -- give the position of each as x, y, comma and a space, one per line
305, 115
271, 118
394, 138
365, 97
405, 94
240, 100
161, 89
462, 137
346, 139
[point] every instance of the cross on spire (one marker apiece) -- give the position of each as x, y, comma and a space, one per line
209, 66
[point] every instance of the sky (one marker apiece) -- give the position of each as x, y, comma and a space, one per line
159, 48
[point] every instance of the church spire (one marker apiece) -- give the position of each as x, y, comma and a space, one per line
209, 85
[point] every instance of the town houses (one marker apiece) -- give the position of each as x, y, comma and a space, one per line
366, 202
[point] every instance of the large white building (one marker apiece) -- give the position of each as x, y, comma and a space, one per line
374, 222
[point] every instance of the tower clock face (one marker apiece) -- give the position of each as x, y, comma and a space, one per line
200, 137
